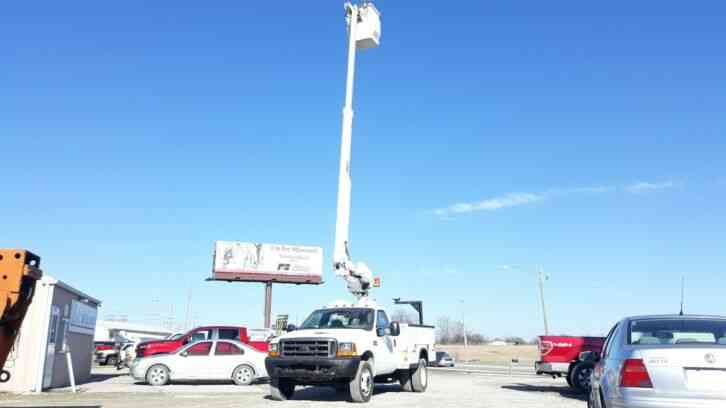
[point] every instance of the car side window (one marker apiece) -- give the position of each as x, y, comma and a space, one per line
229, 334
200, 349
225, 348
382, 320
608, 342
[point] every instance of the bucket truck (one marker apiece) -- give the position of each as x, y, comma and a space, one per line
351, 345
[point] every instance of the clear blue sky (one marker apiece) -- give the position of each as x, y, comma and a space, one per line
589, 139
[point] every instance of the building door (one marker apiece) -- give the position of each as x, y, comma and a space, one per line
51, 345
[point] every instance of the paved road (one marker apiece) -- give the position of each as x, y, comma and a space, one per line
447, 389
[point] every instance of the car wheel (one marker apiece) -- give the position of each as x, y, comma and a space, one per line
157, 375
420, 377
581, 377
281, 390
243, 375
361, 386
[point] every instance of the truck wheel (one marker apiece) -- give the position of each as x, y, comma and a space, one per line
361, 386
580, 377
420, 377
281, 390
405, 380
157, 375
243, 375
568, 377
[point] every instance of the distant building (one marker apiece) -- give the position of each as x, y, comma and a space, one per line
110, 330
498, 343
60, 320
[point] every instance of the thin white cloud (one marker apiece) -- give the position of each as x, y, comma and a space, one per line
492, 204
645, 187
519, 199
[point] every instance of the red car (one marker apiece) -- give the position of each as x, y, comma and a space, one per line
559, 356
149, 348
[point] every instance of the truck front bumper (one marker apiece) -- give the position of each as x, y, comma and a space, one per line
312, 370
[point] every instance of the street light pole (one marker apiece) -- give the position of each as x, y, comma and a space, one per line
542, 300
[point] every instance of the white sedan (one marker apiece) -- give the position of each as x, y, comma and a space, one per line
203, 360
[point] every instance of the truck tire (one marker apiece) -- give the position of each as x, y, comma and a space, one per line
361, 386
281, 390
405, 380
580, 377
568, 377
420, 377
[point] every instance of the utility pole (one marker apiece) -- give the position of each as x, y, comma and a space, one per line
542, 278
463, 322
189, 309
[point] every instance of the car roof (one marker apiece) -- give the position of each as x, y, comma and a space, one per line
674, 316
217, 327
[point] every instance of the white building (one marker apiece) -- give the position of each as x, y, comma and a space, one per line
61, 320
111, 330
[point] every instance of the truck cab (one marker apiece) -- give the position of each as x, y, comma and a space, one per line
150, 348
350, 347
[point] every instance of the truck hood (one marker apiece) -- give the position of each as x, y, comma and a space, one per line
155, 343
341, 335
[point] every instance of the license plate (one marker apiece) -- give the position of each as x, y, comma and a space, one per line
706, 380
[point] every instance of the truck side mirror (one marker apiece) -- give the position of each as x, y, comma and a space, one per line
184, 353
395, 329
291, 327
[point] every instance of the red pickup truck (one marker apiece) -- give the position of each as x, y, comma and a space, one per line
149, 348
559, 356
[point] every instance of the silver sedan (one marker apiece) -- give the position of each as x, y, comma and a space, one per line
669, 361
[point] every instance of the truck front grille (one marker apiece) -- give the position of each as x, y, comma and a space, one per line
308, 348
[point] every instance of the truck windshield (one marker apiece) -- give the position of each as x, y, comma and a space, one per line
352, 318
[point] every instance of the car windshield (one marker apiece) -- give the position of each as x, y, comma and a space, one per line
348, 318
677, 331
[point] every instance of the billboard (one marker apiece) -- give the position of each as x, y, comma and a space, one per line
253, 262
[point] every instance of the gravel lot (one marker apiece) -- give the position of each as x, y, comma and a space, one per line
447, 389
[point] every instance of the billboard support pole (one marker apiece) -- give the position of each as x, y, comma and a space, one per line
268, 304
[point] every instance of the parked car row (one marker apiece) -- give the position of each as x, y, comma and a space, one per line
104, 352
217, 359
204, 353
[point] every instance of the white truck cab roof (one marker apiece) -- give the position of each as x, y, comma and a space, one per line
363, 302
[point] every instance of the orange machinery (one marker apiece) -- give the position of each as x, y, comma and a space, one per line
19, 270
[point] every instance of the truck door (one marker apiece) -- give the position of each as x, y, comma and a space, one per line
384, 346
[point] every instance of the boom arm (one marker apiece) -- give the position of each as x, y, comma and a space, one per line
357, 277
20, 270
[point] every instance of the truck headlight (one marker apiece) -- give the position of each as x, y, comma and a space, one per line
274, 350
346, 350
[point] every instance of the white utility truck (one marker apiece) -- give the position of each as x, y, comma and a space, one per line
352, 345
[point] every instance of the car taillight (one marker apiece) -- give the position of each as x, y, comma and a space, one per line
635, 374
545, 347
